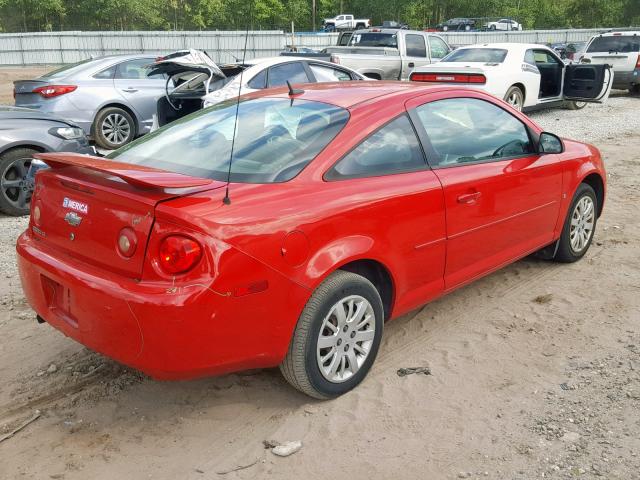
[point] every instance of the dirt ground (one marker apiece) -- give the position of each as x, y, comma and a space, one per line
535, 373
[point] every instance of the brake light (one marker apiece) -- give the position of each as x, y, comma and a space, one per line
334, 59
54, 90
127, 242
475, 78
179, 254
14, 93
638, 62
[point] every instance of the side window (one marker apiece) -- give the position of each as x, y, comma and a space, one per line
106, 74
415, 46
393, 148
468, 130
529, 58
328, 74
293, 71
542, 56
259, 81
438, 48
135, 69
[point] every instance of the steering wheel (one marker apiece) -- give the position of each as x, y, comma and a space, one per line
515, 147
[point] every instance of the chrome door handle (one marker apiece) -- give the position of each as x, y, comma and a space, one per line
469, 198
130, 90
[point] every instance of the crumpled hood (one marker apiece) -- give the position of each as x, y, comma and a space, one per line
8, 112
184, 61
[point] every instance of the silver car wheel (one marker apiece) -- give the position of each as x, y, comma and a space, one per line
15, 186
116, 128
582, 220
345, 338
515, 100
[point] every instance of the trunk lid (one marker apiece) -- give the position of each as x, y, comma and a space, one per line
23, 92
85, 203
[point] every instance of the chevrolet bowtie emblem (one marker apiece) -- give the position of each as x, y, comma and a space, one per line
73, 219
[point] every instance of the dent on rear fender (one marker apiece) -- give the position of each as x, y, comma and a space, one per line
339, 252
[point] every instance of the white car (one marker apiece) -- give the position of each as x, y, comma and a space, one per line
523, 75
621, 50
504, 24
194, 74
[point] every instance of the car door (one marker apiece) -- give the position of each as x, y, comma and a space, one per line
399, 203
140, 90
416, 54
587, 82
438, 49
502, 199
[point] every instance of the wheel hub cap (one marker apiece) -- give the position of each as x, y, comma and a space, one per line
582, 219
346, 337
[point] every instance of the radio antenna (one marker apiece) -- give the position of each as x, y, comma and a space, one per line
227, 200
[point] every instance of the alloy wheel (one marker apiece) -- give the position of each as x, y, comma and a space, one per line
345, 339
116, 129
515, 100
582, 221
15, 186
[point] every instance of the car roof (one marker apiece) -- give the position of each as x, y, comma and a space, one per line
618, 34
270, 61
350, 94
506, 46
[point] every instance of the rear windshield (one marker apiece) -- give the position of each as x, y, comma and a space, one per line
619, 44
66, 69
483, 55
275, 139
371, 39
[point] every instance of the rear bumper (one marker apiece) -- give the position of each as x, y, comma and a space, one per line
625, 80
164, 330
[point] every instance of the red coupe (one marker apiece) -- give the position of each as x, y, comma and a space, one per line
347, 205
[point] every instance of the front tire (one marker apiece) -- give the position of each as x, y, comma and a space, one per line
337, 337
579, 226
113, 128
572, 105
15, 194
515, 98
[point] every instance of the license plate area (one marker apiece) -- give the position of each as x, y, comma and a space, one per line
58, 298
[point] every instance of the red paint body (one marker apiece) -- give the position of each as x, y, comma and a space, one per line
263, 255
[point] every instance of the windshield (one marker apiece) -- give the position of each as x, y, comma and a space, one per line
482, 55
371, 39
275, 139
620, 44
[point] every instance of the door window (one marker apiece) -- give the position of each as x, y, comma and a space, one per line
329, 74
393, 148
415, 46
438, 48
293, 71
468, 130
136, 69
542, 56
107, 74
259, 81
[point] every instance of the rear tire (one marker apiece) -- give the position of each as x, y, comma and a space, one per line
635, 90
515, 98
572, 105
113, 127
325, 342
15, 194
579, 226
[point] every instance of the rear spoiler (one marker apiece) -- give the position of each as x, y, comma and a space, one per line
136, 175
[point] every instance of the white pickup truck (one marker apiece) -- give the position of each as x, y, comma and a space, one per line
389, 54
343, 21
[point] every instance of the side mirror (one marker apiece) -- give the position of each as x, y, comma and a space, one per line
550, 143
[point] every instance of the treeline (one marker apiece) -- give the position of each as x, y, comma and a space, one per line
51, 15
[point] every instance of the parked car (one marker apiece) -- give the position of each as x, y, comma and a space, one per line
524, 75
575, 50
334, 221
343, 21
111, 98
23, 133
389, 54
503, 24
257, 74
621, 50
457, 25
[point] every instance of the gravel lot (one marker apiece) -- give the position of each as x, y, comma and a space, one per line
535, 373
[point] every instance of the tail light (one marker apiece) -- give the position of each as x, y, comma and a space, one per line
54, 90
179, 254
476, 78
14, 93
638, 62
334, 59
